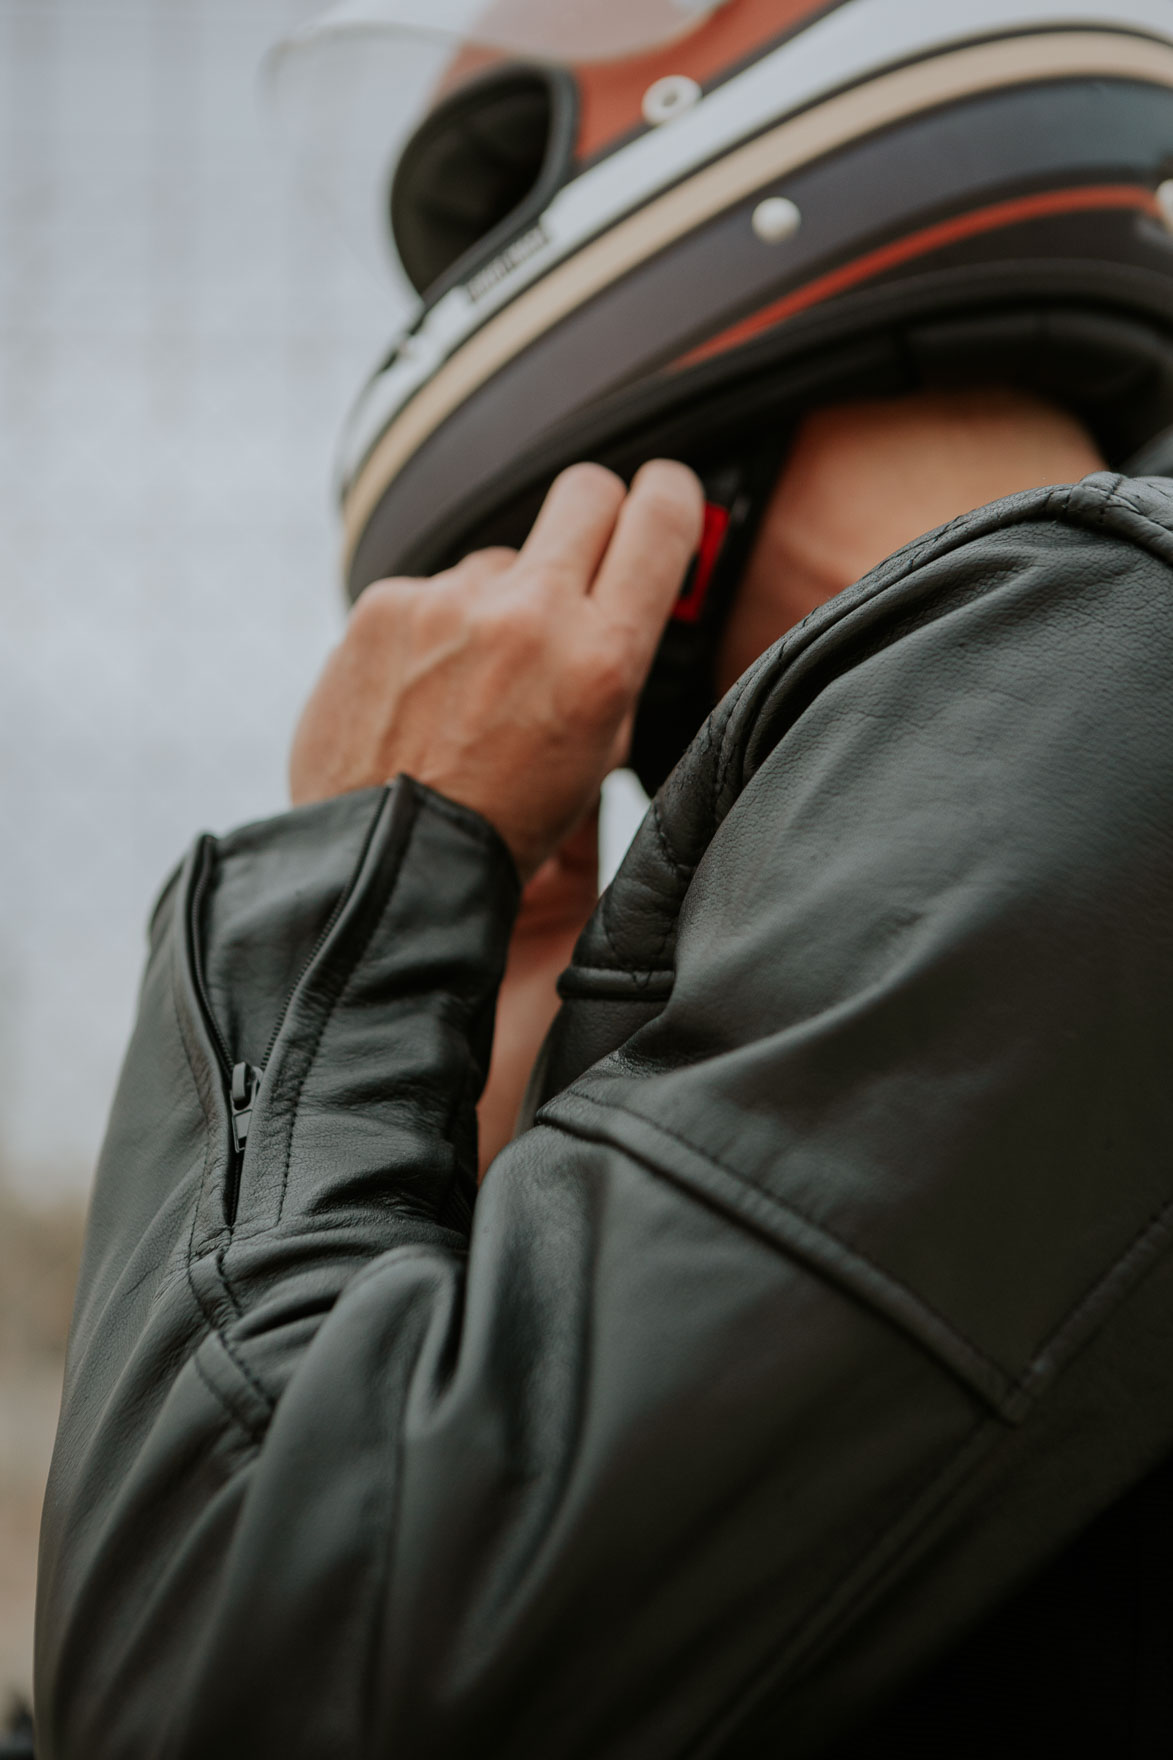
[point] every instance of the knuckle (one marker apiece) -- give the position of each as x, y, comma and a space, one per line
378, 606
485, 564
496, 556
613, 683
532, 630
512, 620
554, 575
600, 680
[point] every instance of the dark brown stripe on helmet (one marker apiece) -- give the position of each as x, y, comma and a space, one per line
873, 264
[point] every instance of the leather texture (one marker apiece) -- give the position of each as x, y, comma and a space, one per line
797, 1382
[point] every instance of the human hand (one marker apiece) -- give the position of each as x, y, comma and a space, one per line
509, 682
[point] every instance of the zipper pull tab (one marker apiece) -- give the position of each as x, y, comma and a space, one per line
246, 1079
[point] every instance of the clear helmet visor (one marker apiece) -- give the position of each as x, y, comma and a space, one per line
348, 90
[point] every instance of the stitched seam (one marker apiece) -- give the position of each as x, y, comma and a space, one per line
237, 1233
1147, 518
392, 1492
682, 870
238, 1419
1105, 503
643, 979
1158, 1223
209, 1315
467, 998
1056, 504
742, 1702
728, 751
222, 1338
1115, 498
465, 818
315, 1047
605, 925
947, 539
368, 1274
770, 1200
588, 975
217, 1259
683, 877
319, 1035
210, 1121
189, 1250
760, 1686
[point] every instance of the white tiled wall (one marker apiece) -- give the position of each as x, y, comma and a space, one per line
179, 337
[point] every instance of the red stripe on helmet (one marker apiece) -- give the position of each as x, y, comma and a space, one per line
919, 244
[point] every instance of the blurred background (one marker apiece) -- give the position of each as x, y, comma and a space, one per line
181, 332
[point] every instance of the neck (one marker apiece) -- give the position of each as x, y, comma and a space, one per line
864, 479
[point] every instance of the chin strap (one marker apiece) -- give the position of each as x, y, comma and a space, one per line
681, 689
695, 591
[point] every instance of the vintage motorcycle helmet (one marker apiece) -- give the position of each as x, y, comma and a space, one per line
641, 227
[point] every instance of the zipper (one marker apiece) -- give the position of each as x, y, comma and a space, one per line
242, 1081
246, 1079
242, 1095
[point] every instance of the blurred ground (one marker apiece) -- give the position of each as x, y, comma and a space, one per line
38, 1262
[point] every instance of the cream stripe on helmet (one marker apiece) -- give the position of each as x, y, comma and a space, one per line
848, 117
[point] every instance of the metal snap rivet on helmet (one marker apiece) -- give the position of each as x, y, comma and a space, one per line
776, 218
1165, 201
670, 97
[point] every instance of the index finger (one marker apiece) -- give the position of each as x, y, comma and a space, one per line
570, 535
656, 535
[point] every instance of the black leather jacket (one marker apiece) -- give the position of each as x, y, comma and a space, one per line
799, 1346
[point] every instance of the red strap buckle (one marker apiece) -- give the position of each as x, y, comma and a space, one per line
700, 576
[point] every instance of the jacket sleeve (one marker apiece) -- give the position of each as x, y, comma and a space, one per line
804, 1323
